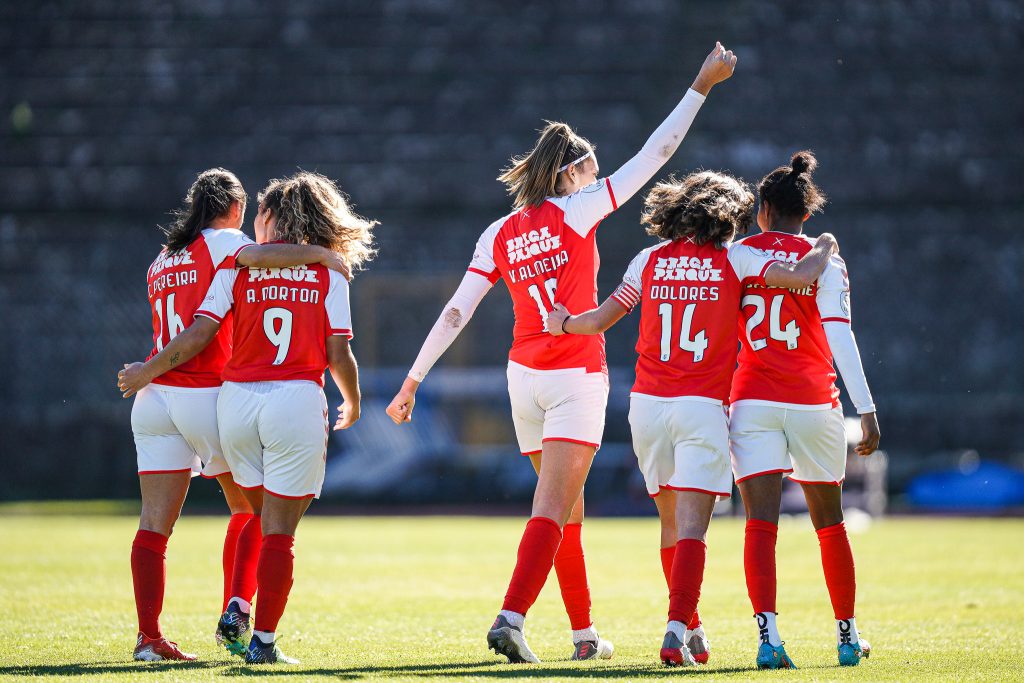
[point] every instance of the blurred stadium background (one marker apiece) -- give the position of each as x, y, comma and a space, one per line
110, 109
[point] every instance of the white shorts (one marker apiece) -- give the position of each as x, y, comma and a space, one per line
681, 444
557, 405
808, 446
175, 430
274, 436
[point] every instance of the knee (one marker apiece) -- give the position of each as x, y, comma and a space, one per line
158, 521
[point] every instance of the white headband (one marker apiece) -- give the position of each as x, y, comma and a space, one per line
573, 163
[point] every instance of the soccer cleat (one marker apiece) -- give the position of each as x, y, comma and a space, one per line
506, 639
593, 649
158, 650
850, 654
261, 653
772, 657
231, 628
699, 645
674, 653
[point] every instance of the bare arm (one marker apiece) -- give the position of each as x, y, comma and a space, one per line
181, 349
287, 255
345, 371
804, 272
594, 321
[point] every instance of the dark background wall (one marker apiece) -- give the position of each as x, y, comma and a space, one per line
110, 109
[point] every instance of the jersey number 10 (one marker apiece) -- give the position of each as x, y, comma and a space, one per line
550, 285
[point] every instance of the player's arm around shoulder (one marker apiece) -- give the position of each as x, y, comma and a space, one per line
289, 255
181, 349
807, 270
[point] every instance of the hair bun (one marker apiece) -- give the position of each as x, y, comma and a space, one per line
803, 162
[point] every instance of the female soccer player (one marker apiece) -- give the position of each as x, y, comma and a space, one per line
174, 420
688, 288
289, 325
785, 416
545, 251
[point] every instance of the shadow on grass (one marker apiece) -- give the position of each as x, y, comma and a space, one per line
483, 669
486, 669
88, 668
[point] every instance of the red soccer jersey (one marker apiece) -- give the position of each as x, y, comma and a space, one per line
282, 318
689, 296
177, 285
785, 357
546, 255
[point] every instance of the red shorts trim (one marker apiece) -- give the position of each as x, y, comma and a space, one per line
249, 488
532, 453
819, 483
281, 495
576, 441
695, 490
187, 469
761, 474
215, 476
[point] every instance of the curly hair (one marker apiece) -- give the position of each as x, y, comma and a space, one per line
706, 206
533, 177
790, 190
209, 198
310, 209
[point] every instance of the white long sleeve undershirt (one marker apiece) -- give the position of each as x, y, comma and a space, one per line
658, 149
454, 316
847, 358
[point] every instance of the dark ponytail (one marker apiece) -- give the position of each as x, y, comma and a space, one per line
209, 198
790, 190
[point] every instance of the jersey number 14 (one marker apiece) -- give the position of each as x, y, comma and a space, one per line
697, 344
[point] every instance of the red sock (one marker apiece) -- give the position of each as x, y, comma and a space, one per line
149, 574
247, 553
235, 526
533, 563
571, 569
837, 561
273, 579
667, 555
687, 576
759, 563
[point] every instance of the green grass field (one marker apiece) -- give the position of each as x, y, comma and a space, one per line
402, 598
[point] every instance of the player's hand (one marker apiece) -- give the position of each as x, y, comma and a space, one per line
348, 415
717, 67
401, 406
871, 436
556, 318
829, 239
131, 379
333, 261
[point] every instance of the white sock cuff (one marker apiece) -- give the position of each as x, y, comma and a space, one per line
846, 631
514, 618
266, 637
678, 628
588, 633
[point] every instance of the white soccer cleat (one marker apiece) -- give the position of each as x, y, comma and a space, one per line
698, 644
